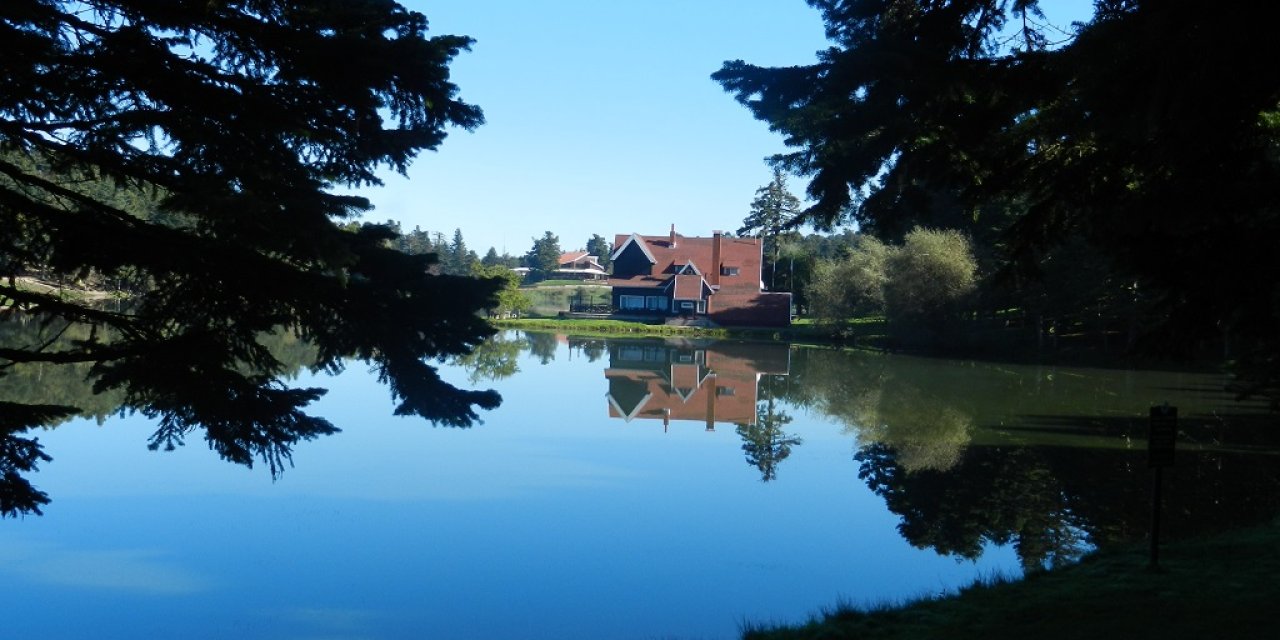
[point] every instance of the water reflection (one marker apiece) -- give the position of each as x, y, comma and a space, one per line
888, 477
1049, 459
243, 423
764, 441
708, 383
692, 381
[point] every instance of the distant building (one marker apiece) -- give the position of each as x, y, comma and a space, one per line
718, 278
579, 265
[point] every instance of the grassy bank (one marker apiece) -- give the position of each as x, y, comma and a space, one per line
1221, 587
799, 333
608, 328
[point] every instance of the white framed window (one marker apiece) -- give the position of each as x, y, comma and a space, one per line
656, 303
728, 271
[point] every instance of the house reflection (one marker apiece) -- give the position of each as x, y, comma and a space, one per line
696, 381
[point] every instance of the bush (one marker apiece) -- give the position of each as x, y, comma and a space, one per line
929, 277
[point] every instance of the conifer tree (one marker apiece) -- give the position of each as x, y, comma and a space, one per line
772, 213
599, 247
544, 256
238, 119
1149, 131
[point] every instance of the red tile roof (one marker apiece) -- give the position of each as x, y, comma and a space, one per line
744, 253
572, 256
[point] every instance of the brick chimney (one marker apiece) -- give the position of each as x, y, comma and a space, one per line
672, 243
716, 239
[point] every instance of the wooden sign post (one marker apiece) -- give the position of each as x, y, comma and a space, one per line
1161, 435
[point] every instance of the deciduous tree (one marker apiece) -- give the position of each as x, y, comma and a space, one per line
929, 277
510, 301
850, 286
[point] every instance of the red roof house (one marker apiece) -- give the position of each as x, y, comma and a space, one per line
717, 277
580, 265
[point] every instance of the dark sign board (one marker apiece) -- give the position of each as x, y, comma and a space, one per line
1160, 438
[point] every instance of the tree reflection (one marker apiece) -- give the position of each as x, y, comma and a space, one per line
883, 404
925, 433
991, 495
542, 345
765, 442
591, 348
495, 359
245, 419
914, 424
20, 455
971, 455
241, 436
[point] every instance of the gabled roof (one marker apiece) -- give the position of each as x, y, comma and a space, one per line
573, 256
687, 267
688, 287
639, 242
670, 253
636, 405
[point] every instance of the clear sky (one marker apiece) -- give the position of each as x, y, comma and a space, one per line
601, 118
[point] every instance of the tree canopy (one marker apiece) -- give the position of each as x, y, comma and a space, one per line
1151, 131
234, 122
544, 256
599, 247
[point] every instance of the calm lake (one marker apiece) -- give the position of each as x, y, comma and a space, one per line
624, 489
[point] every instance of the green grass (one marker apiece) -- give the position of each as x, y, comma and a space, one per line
549, 300
1222, 587
607, 327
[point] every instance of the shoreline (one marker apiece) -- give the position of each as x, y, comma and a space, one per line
1222, 586
871, 339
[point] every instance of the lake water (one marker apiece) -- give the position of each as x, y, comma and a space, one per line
624, 489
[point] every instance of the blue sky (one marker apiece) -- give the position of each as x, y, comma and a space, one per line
601, 118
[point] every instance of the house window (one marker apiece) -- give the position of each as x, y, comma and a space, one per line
656, 303
686, 305
725, 391
728, 271
642, 354
631, 302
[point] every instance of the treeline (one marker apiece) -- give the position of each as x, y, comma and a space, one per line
955, 286
952, 281
456, 258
